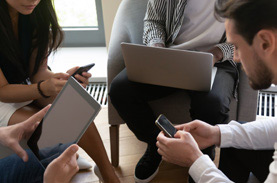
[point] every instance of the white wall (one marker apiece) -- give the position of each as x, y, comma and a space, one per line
109, 11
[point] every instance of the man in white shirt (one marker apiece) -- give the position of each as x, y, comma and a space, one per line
251, 27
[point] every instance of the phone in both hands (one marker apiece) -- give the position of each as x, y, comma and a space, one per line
82, 69
166, 126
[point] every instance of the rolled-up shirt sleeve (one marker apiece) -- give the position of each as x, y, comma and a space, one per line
252, 135
227, 51
154, 23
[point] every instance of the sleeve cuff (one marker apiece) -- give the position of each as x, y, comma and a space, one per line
227, 50
199, 167
154, 41
226, 135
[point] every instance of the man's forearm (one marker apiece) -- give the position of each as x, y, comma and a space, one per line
252, 135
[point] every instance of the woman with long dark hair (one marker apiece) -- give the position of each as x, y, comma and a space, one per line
29, 33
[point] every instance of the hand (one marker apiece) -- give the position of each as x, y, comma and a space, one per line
181, 150
10, 136
52, 86
63, 168
82, 78
217, 54
158, 45
205, 135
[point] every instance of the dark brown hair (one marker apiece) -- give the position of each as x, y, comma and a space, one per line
45, 37
250, 16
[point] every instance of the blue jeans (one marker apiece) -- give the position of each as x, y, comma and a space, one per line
13, 169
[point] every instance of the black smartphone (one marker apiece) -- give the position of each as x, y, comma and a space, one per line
166, 126
82, 69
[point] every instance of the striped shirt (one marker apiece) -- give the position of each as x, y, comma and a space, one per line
163, 21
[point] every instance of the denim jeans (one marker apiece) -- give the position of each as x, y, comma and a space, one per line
13, 169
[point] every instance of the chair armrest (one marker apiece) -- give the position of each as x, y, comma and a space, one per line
127, 27
247, 99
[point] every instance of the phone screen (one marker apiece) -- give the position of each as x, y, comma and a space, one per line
166, 126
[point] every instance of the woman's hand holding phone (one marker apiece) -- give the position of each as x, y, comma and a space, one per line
81, 74
53, 85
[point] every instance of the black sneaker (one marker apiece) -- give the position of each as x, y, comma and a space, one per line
148, 165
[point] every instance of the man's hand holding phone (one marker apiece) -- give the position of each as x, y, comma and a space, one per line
181, 150
178, 147
205, 134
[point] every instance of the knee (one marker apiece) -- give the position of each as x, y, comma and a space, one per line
115, 90
119, 90
213, 109
216, 104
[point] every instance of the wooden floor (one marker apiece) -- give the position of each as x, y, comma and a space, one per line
130, 152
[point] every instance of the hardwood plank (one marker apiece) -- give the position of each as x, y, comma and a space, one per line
130, 151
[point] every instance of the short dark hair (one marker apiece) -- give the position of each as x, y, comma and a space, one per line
249, 16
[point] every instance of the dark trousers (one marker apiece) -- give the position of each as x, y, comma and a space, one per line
131, 101
237, 164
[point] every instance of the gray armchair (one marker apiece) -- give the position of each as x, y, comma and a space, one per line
128, 27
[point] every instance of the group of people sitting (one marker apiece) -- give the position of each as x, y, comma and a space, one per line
29, 33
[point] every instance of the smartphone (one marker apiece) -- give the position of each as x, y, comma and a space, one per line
82, 69
166, 126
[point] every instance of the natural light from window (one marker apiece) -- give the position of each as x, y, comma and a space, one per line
76, 13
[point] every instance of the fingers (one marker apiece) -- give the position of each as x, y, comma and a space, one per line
161, 150
63, 76
86, 75
68, 154
38, 116
179, 127
178, 134
160, 145
183, 135
161, 137
14, 145
185, 127
72, 70
191, 126
81, 79
84, 78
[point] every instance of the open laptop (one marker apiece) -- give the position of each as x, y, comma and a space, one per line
183, 69
73, 110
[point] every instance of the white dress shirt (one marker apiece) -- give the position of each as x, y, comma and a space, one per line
254, 135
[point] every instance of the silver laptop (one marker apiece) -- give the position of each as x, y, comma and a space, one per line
183, 69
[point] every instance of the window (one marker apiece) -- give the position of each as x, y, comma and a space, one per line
82, 22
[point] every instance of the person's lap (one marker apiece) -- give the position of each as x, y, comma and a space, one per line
131, 101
